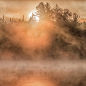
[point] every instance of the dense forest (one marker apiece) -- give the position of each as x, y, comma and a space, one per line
57, 34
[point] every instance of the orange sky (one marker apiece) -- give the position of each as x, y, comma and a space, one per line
17, 8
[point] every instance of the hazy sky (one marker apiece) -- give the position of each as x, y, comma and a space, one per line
17, 8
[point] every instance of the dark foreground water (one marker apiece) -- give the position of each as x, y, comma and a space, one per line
42, 73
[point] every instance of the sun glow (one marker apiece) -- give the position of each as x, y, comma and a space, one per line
33, 14
35, 81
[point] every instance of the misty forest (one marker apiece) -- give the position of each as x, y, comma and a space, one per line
47, 50
57, 34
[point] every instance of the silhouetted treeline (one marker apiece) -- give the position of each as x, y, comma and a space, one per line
57, 34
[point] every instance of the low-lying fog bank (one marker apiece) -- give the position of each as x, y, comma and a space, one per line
42, 73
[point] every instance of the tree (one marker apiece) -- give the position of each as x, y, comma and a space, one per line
41, 10
47, 11
67, 15
44, 11
75, 17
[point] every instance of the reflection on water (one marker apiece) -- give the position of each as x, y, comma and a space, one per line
30, 73
35, 80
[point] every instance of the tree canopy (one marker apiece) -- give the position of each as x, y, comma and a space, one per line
45, 12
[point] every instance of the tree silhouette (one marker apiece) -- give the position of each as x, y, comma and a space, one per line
41, 10
56, 14
67, 15
75, 17
48, 11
